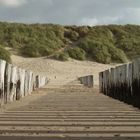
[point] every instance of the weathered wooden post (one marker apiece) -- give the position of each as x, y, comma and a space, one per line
7, 82
118, 82
86, 80
107, 81
18, 84
90, 81
111, 91
26, 86
37, 81
136, 82
22, 82
30, 85
104, 82
13, 83
123, 80
129, 82
2, 73
101, 82
34, 81
112, 82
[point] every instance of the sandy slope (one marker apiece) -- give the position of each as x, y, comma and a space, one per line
60, 72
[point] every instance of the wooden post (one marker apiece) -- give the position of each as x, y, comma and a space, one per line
118, 82
16, 83
13, 83
37, 81
2, 72
86, 80
136, 82
101, 81
26, 84
22, 81
129, 82
30, 85
7, 83
91, 83
34, 82
103, 88
111, 89
106, 81
122, 82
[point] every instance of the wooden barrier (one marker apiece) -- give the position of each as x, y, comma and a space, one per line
122, 83
15, 83
87, 81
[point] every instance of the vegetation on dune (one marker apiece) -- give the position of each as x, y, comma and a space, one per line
61, 56
77, 53
32, 40
4, 54
99, 44
104, 44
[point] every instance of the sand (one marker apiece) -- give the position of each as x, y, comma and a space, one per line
60, 72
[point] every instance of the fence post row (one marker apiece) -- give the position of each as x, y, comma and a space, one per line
87, 80
122, 82
15, 83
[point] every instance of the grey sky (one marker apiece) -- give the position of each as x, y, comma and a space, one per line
79, 12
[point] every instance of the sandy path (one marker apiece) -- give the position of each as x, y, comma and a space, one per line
60, 72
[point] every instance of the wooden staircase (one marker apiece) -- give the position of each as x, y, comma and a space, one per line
70, 112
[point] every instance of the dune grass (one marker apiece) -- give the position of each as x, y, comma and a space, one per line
104, 44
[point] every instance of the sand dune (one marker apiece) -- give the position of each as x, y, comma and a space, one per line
60, 72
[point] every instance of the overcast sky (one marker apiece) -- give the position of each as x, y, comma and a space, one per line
79, 12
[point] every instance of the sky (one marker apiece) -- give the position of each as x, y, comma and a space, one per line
71, 12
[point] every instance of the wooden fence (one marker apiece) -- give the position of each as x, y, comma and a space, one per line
87, 81
15, 83
122, 83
